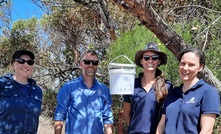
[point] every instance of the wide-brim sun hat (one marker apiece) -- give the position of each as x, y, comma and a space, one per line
150, 47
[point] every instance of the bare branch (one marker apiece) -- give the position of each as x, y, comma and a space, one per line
206, 37
149, 18
206, 28
198, 6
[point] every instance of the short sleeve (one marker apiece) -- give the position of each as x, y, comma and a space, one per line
211, 101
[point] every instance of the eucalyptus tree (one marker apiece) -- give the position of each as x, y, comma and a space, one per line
144, 11
5, 16
83, 22
73, 27
5, 20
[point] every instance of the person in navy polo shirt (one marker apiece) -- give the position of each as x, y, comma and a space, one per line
192, 107
142, 109
20, 97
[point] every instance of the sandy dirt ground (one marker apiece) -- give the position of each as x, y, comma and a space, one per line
46, 126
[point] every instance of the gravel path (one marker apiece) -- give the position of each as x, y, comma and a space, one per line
46, 126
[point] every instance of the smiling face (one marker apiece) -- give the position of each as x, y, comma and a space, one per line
88, 69
22, 70
189, 66
151, 63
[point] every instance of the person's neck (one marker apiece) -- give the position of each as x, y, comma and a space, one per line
188, 84
147, 81
88, 81
149, 77
20, 80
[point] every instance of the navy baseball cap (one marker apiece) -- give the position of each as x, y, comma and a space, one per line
18, 53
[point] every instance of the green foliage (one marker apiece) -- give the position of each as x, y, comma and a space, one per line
217, 129
213, 58
171, 68
129, 43
5, 16
203, 32
23, 34
49, 103
64, 25
132, 41
23, 31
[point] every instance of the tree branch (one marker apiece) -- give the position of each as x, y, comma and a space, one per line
149, 18
206, 28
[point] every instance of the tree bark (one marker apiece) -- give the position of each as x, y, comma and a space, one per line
151, 20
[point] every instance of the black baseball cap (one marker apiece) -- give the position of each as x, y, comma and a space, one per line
18, 53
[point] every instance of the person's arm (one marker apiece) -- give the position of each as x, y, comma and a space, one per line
108, 128
127, 108
63, 100
161, 125
58, 125
207, 122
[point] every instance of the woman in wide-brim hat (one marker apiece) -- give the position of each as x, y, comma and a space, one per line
142, 109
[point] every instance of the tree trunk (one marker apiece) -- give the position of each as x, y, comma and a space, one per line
149, 18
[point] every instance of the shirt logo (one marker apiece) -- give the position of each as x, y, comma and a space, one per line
99, 92
192, 100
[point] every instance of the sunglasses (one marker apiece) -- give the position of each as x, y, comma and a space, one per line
153, 57
88, 62
22, 61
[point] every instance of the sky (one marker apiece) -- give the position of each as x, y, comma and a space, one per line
25, 9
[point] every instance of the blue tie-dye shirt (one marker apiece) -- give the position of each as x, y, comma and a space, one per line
85, 110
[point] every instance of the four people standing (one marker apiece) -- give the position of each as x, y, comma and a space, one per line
84, 102
20, 97
192, 107
142, 109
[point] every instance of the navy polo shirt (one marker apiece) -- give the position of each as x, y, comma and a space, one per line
183, 110
145, 111
19, 110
